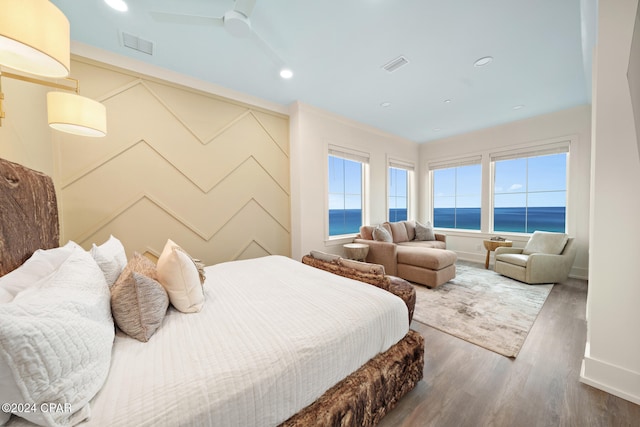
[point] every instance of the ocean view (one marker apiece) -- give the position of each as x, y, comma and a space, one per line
505, 219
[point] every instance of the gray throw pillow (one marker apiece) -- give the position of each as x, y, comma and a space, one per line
138, 302
381, 234
425, 231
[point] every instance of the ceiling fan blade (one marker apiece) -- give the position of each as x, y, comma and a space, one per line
245, 6
267, 49
177, 18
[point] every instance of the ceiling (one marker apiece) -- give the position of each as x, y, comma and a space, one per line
337, 48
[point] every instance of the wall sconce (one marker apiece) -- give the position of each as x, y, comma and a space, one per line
34, 38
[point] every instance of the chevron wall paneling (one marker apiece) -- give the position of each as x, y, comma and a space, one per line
209, 173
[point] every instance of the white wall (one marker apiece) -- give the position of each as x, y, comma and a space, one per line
612, 354
572, 124
311, 131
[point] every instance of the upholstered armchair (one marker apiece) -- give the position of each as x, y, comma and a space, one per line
546, 258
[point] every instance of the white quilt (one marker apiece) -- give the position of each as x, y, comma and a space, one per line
55, 342
273, 335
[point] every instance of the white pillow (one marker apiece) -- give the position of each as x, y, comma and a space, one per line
111, 257
56, 340
179, 276
38, 267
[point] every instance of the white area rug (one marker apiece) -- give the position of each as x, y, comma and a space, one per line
482, 307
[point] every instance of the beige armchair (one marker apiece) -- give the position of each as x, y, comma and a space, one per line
547, 258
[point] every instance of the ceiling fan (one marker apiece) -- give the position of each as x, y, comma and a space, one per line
235, 21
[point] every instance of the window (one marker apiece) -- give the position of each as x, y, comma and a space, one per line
346, 194
530, 191
457, 193
400, 176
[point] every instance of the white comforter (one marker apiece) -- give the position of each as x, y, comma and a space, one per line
272, 337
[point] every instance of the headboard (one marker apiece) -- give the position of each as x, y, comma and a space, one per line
28, 214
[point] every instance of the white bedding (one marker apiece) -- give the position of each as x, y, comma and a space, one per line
272, 336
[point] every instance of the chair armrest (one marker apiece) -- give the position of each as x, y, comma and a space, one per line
547, 268
507, 250
384, 253
441, 237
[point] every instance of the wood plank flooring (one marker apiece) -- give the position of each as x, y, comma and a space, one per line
466, 385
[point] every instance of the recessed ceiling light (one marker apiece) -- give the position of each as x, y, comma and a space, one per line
518, 107
286, 73
385, 104
483, 61
437, 129
118, 5
447, 101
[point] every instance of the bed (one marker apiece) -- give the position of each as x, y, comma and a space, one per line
277, 342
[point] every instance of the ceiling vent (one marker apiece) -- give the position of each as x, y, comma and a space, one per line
136, 43
393, 65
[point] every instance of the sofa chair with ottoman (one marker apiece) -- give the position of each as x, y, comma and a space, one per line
546, 258
411, 251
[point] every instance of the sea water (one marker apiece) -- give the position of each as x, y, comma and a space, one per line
505, 219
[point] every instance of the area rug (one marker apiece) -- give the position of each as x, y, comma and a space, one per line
482, 307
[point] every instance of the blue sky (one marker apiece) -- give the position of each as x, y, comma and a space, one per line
345, 193
462, 187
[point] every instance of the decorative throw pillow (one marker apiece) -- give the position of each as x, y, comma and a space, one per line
425, 231
111, 258
199, 265
138, 301
381, 234
179, 276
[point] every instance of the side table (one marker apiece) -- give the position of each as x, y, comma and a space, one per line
356, 251
491, 245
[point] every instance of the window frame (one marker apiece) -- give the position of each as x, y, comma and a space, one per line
563, 147
451, 164
355, 156
409, 167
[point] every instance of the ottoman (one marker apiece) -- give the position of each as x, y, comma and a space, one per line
427, 266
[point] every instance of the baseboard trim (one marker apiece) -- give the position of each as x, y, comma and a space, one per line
579, 273
611, 379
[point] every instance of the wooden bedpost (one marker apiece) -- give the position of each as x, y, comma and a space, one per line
28, 214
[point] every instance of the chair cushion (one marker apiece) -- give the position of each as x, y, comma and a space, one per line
546, 243
411, 229
432, 259
516, 259
398, 232
436, 244
366, 232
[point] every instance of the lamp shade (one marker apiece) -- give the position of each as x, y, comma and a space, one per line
71, 113
34, 38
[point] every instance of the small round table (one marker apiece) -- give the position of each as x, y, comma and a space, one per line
356, 251
491, 245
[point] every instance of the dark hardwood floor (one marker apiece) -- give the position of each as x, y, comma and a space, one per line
466, 385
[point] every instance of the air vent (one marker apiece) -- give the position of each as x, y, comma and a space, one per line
136, 43
395, 64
